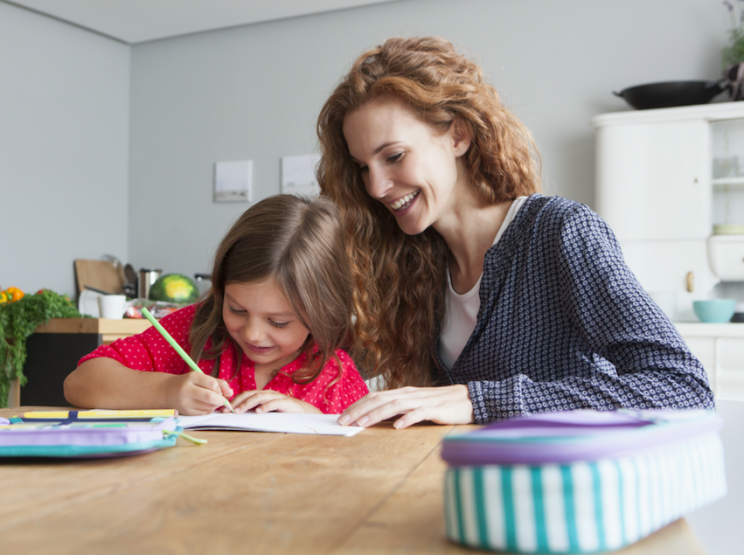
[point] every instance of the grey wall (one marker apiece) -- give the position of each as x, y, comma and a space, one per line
254, 92
64, 125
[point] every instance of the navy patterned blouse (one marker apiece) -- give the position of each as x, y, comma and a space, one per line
564, 324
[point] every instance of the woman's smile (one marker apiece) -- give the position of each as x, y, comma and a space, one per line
400, 206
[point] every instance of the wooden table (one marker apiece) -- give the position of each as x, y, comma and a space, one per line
377, 492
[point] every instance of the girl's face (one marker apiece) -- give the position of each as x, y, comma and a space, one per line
259, 318
407, 164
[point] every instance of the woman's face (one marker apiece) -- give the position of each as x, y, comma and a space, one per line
407, 164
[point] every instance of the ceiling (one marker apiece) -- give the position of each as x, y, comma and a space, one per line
133, 21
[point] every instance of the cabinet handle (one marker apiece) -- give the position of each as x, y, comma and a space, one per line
690, 282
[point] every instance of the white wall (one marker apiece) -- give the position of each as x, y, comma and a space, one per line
254, 93
64, 125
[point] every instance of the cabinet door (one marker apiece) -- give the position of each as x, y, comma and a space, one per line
653, 180
663, 266
723, 360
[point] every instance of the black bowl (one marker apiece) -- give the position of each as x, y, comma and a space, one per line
671, 93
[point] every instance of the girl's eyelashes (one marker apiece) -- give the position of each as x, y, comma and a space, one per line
271, 322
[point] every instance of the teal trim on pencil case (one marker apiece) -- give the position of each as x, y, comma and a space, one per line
82, 450
598, 509
451, 503
654, 508
509, 520
480, 505
538, 500
621, 500
458, 498
570, 508
639, 530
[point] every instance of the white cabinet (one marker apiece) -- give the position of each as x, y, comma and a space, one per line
720, 348
672, 266
655, 179
655, 189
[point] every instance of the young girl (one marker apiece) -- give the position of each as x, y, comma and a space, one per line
268, 335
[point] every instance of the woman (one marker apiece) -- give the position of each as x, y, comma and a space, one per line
477, 298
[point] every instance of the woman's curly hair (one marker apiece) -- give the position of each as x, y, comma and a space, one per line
400, 279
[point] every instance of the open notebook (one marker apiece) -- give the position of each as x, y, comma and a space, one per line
322, 424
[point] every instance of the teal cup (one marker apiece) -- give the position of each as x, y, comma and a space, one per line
715, 311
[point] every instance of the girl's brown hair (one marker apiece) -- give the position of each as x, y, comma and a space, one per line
300, 244
400, 280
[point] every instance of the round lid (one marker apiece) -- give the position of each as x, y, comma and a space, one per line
581, 435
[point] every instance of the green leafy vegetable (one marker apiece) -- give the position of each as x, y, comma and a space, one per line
18, 320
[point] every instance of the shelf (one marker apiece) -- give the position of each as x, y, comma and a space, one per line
719, 183
697, 329
717, 111
125, 326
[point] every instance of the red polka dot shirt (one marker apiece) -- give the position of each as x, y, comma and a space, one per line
150, 352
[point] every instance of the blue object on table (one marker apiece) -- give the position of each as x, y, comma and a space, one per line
715, 311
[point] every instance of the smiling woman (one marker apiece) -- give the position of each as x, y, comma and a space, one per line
466, 278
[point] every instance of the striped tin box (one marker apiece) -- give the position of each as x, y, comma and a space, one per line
580, 481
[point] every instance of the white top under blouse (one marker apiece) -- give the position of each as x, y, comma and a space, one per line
461, 311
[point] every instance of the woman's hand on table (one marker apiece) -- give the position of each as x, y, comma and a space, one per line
441, 405
266, 400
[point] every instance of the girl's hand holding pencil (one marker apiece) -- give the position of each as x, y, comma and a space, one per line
194, 393
203, 381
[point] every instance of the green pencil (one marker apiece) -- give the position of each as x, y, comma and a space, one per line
177, 347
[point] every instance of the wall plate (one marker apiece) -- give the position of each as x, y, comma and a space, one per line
298, 175
233, 181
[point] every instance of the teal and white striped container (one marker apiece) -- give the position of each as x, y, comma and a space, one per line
580, 481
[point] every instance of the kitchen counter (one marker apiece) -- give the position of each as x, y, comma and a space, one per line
699, 329
54, 350
720, 347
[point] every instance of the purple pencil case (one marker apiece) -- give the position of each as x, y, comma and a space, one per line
580, 481
86, 439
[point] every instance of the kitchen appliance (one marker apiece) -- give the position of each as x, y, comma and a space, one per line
146, 278
203, 282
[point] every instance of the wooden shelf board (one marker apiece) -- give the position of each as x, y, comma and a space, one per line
125, 326
720, 183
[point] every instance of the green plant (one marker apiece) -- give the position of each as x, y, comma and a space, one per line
18, 320
734, 52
